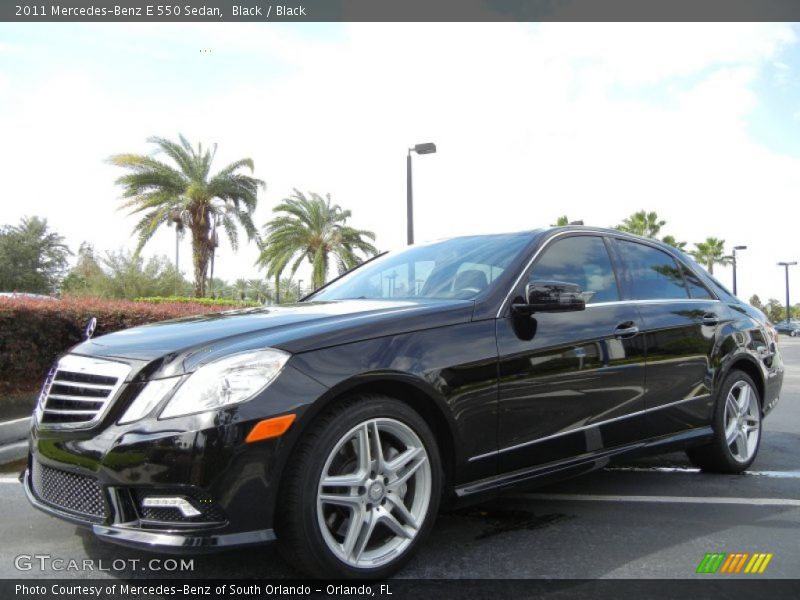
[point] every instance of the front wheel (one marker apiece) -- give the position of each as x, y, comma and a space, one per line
362, 490
737, 428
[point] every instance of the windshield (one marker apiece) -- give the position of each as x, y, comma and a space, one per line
458, 268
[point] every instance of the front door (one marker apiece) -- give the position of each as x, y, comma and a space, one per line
570, 383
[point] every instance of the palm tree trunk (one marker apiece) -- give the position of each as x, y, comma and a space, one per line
200, 252
278, 288
320, 269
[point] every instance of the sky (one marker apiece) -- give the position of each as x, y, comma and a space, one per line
698, 122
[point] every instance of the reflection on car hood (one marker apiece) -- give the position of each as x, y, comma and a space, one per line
294, 328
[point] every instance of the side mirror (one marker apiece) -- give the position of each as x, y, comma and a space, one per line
552, 296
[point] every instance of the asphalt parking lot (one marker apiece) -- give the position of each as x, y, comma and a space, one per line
651, 518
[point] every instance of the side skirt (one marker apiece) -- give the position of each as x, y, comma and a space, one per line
579, 465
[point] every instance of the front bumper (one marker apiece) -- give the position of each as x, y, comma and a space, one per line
99, 478
164, 541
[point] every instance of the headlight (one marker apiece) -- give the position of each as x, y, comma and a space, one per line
153, 393
226, 381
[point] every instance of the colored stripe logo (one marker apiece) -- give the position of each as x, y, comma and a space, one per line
737, 562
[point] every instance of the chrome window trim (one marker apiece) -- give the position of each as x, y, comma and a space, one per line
602, 234
584, 427
653, 301
528, 266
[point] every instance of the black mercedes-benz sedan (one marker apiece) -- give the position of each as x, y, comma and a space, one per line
442, 373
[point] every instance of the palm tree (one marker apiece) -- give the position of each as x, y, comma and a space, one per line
185, 193
241, 288
710, 253
642, 223
258, 290
670, 239
311, 228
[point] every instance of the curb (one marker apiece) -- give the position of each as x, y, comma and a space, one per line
14, 430
14, 440
11, 453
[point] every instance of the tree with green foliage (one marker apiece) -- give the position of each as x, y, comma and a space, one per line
219, 288
642, 223
33, 257
258, 290
711, 252
186, 190
670, 240
288, 289
240, 288
775, 310
311, 228
562, 221
124, 275
85, 277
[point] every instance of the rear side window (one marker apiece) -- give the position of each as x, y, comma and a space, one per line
582, 260
696, 287
651, 273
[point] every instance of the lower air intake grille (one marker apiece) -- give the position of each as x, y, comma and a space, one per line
68, 491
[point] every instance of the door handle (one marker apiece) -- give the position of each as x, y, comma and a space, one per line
710, 319
626, 330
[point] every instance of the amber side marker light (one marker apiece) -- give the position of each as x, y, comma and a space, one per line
269, 428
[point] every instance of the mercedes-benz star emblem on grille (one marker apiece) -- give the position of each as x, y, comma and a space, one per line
90, 327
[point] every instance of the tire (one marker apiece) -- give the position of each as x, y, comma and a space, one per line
793, 333
370, 524
737, 427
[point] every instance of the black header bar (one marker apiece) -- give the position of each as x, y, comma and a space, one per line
215, 11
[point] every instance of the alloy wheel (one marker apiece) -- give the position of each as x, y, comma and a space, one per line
742, 421
374, 493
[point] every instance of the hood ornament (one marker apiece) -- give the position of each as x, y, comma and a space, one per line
90, 327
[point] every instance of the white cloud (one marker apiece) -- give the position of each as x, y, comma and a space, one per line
532, 122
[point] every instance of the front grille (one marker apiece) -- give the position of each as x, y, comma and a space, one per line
68, 491
78, 391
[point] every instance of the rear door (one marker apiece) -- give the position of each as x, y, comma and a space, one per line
680, 320
570, 383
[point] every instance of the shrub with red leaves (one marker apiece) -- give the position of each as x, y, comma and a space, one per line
33, 333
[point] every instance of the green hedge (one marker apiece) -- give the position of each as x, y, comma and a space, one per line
202, 301
34, 332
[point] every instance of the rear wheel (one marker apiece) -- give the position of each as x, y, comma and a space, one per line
737, 428
362, 490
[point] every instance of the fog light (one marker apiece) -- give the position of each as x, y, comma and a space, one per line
182, 504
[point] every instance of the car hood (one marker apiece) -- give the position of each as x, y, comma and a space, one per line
294, 328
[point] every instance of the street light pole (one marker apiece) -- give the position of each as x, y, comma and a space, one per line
409, 202
427, 148
735, 248
786, 266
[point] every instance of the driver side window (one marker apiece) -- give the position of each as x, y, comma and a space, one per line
581, 260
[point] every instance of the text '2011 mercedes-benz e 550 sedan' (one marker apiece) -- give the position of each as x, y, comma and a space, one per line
442, 373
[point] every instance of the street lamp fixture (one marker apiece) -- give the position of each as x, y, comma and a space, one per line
735, 248
786, 266
426, 148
